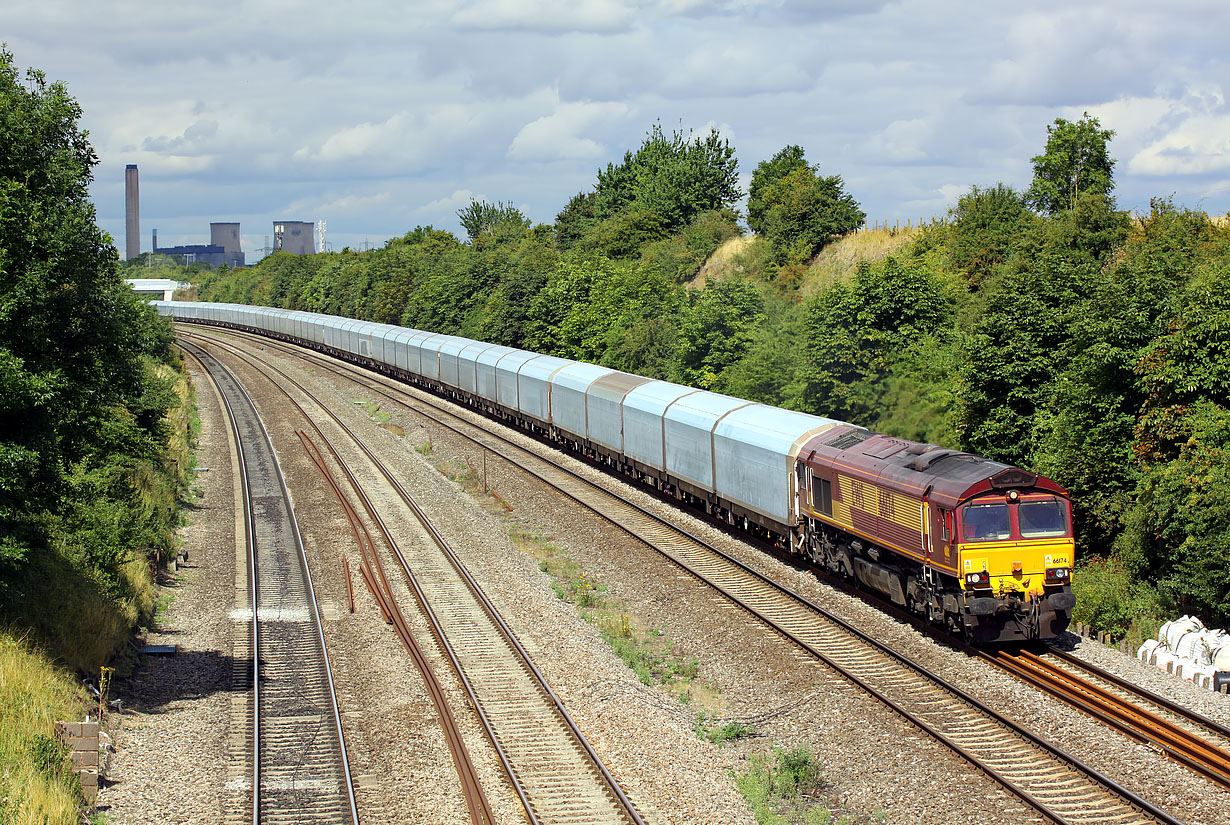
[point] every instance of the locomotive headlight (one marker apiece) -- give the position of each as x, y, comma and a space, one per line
1058, 575
979, 579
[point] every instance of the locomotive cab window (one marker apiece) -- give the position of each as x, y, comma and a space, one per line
822, 495
986, 522
1040, 518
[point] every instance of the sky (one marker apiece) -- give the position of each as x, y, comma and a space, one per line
378, 117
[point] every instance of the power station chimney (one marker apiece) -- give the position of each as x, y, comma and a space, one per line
132, 214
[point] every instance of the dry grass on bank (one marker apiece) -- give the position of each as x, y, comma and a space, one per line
35, 785
839, 261
742, 258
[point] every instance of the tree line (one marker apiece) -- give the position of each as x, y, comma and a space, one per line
1044, 328
87, 486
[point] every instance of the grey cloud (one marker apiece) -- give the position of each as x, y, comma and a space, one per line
259, 107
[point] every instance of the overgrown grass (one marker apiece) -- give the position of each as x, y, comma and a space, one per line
786, 788
74, 604
752, 258
373, 410
35, 784
839, 260
1110, 600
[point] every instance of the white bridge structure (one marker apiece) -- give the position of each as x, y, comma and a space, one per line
156, 289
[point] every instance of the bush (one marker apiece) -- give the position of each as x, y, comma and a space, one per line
1110, 599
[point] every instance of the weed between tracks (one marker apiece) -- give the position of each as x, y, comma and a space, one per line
785, 788
384, 419
643, 648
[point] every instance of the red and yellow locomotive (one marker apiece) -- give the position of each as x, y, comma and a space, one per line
977, 545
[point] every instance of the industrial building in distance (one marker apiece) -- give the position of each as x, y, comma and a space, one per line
223, 247
294, 237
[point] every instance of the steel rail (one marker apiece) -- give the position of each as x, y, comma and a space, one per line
477, 804
1181, 745
1075, 764
251, 518
506, 632
1144, 693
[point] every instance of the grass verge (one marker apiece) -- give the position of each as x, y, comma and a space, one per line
75, 603
35, 783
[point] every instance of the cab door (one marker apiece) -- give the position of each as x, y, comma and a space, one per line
940, 528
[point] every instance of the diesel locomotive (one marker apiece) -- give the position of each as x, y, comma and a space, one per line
981, 547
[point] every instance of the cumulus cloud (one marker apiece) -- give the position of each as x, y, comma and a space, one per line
322, 107
1200, 145
902, 141
559, 135
458, 199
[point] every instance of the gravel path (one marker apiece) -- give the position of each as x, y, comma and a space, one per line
171, 738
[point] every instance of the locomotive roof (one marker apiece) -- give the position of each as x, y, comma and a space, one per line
915, 469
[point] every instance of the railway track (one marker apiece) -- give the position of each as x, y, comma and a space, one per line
1056, 784
1186, 737
299, 770
555, 772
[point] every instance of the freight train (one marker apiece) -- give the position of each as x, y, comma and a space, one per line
981, 547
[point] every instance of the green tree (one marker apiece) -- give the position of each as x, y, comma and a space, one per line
716, 329
1021, 328
72, 333
856, 331
1077, 160
768, 172
1086, 435
676, 177
802, 211
500, 220
982, 229
576, 219
588, 304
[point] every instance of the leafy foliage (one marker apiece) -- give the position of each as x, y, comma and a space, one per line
768, 172
1076, 161
675, 177
983, 226
856, 331
716, 329
798, 209
480, 218
83, 398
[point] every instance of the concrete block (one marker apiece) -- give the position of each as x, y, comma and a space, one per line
89, 785
68, 730
89, 729
85, 759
